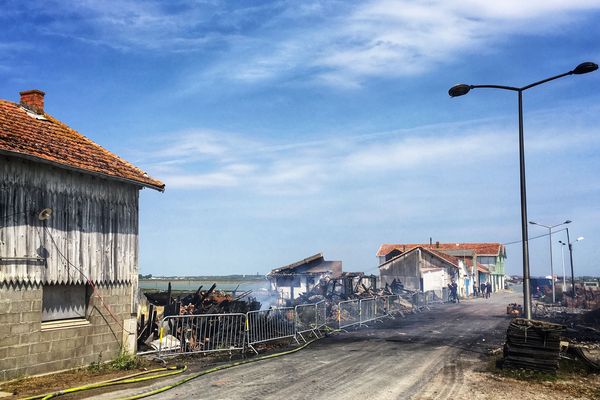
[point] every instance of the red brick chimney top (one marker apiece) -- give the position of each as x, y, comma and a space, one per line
33, 100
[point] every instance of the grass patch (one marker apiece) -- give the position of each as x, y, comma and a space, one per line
123, 362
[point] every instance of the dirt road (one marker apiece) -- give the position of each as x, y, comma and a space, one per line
420, 356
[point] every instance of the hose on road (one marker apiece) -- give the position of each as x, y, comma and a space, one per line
134, 378
172, 370
215, 369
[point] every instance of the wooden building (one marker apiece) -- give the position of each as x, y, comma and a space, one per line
423, 269
484, 261
292, 280
68, 244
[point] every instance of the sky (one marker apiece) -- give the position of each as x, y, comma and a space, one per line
286, 128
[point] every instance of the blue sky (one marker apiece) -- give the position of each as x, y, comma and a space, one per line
286, 128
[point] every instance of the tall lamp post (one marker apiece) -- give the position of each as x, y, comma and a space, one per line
571, 259
562, 257
461, 90
550, 227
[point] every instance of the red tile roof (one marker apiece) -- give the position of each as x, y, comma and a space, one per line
481, 249
446, 257
49, 140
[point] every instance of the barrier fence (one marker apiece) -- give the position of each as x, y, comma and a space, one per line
306, 319
321, 308
348, 313
273, 324
204, 333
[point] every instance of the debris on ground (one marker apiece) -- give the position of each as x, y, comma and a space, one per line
201, 302
533, 345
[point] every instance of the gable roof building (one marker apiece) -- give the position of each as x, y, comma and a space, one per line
69, 214
488, 257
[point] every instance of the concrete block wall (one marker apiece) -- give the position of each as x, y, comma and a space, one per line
27, 347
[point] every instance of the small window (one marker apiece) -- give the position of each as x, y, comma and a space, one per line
61, 302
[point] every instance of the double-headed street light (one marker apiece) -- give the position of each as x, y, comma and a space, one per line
461, 90
550, 227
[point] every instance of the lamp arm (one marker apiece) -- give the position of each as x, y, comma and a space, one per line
545, 80
514, 89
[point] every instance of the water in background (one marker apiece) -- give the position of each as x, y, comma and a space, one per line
191, 285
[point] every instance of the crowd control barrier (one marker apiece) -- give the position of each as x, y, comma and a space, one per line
321, 307
306, 319
273, 324
348, 313
203, 333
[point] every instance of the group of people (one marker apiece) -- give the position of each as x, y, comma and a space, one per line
485, 290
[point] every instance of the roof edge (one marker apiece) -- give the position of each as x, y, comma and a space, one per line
82, 170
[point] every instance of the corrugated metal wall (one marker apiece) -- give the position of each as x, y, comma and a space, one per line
93, 228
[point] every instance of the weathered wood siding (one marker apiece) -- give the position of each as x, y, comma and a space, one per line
93, 228
404, 269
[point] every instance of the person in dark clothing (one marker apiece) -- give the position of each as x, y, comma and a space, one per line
488, 290
455, 290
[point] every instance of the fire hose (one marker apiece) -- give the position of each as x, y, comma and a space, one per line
172, 371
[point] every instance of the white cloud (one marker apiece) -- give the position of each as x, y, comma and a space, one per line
385, 38
339, 44
208, 159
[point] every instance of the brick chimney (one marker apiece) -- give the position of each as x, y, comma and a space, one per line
33, 100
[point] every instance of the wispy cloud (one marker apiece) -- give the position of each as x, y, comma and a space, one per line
385, 38
340, 44
209, 159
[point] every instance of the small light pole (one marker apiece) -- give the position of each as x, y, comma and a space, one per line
571, 258
461, 90
551, 265
562, 257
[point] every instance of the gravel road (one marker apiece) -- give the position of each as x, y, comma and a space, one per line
422, 356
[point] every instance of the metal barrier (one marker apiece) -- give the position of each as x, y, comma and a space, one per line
367, 310
321, 310
306, 319
381, 310
348, 313
204, 333
393, 305
266, 325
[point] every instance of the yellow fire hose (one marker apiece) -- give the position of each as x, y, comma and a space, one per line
134, 378
117, 381
215, 369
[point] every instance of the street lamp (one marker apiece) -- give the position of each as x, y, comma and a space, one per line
580, 238
551, 265
461, 90
562, 257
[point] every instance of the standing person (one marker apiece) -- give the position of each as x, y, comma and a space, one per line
489, 290
455, 291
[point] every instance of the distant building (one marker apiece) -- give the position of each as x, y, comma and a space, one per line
484, 261
423, 269
68, 244
292, 280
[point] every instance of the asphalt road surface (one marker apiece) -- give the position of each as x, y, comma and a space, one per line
421, 356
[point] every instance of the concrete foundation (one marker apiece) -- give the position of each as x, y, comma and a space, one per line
30, 347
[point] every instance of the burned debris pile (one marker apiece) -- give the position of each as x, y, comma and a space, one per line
201, 302
533, 345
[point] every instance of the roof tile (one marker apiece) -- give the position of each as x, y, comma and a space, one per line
52, 141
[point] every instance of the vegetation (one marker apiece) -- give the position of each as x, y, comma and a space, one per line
123, 362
